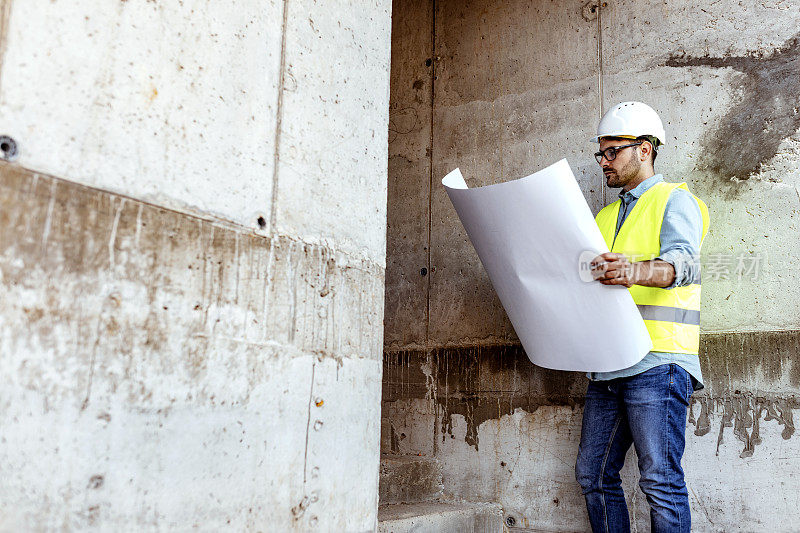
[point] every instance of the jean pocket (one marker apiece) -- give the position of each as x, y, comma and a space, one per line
681, 382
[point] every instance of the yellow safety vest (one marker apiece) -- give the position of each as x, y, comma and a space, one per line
672, 316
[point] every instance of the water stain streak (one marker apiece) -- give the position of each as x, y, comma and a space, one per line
743, 412
766, 112
742, 374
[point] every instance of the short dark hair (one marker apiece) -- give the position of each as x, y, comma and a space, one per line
654, 142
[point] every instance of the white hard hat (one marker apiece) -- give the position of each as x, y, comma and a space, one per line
630, 119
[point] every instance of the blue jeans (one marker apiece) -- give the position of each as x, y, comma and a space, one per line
647, 410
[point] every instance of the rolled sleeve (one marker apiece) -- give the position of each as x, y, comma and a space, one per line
681, 233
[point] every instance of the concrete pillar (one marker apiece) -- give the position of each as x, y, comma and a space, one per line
191, 263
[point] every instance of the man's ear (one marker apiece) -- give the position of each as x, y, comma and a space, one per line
647, 149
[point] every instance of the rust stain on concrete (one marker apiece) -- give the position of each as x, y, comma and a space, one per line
765, 113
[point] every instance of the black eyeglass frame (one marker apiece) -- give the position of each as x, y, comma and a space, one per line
613, 150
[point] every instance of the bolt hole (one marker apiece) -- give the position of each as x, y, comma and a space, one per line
262, 222
423, 271
593, 9
5, 147
428, 62
511, 521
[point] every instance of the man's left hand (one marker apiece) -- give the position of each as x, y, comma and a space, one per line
614, 269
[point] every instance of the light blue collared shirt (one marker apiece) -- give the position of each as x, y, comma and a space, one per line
681, 234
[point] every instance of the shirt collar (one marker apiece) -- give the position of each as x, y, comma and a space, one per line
636, 192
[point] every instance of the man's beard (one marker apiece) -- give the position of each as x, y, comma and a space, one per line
628, 172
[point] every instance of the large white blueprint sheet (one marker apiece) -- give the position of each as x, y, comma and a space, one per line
532, 235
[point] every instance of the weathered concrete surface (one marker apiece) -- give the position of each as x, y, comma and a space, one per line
408, 262
409, 479
251, 112
331, 173
163, 372
486, 383
214, 365
517, 77
506, 103
507, 431
172, 103
441, 518
725, 79
479, 383
529, 458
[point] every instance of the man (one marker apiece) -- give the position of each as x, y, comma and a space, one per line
654, 232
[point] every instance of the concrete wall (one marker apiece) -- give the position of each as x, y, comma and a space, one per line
172, 103
170, 361
515, 87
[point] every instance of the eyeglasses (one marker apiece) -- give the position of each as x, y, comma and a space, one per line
611, 153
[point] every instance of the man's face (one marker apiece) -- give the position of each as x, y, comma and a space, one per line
625, 167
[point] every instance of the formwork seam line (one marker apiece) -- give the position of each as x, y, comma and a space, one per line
430, 215
600, 87
279, 120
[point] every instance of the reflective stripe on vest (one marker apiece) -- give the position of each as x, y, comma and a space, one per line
669, 314
672, 317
